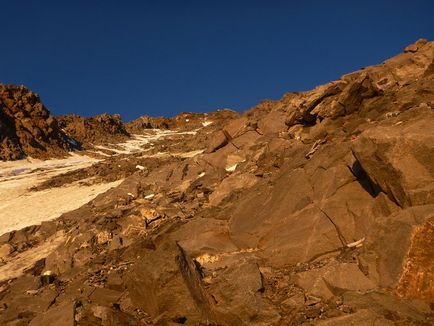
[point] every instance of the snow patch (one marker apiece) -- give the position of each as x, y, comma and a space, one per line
232, 168
24, 208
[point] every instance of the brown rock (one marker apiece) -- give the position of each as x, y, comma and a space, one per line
327, 222
5, 250
416, 46
363, 318
417, 279
57, 315
400, 159
101, 129
27, 128
333, 278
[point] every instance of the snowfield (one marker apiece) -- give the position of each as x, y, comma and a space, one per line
20, 207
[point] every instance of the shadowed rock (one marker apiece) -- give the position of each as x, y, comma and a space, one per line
314, 209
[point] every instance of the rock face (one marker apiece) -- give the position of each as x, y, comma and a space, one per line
101, 129
400, 160
182, 121
313, 209
142, 123
27, 128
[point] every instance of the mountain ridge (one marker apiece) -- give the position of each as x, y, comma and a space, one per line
314, 209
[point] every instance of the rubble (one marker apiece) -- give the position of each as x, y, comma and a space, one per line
315, 209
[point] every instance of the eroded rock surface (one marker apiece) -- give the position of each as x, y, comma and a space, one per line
27, 128
182, 121
313, 209
101, 129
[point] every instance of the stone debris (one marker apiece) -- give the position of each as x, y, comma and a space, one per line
315, 209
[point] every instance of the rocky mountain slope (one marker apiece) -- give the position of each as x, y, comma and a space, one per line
101, 129
27, 128
316, 209
182, 121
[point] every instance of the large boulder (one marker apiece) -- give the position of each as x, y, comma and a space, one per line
399, 158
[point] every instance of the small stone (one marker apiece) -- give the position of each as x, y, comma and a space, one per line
313, 312
47, 277
282, 284
5, 250
296, 300
32, 292
347, 309
333, 313
311, 300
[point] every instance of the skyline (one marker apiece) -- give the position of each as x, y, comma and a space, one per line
142, 58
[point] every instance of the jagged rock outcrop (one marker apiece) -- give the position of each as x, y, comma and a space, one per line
27, 128
182, 121
313, 209
144, 122
101, 129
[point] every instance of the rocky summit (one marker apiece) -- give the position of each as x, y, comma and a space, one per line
315, 209
102, 129
27, 128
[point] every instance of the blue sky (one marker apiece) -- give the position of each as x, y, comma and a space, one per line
165, 57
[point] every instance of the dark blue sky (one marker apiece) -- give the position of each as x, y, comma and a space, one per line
164, 57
